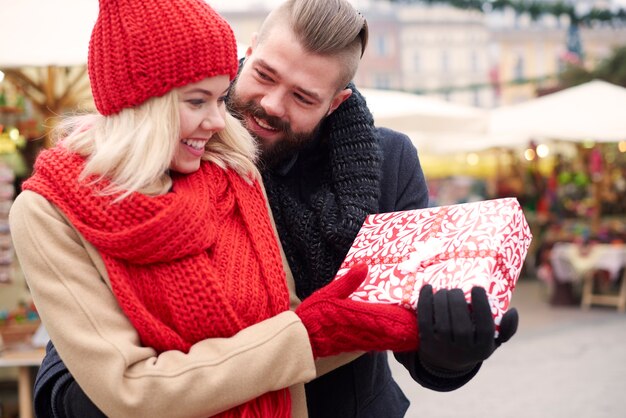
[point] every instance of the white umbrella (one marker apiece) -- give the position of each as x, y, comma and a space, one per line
590, 111
41, 33
44, 50
412, 112
436, 126
454, 142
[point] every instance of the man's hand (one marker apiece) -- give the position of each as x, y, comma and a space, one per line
456, 336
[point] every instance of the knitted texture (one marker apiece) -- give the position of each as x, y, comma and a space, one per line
318, 227
199, 262
141, 49
337, 324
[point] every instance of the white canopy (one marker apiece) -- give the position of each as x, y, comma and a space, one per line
46, 32
43, 33
452, 142
412, 112
590, 111
436, 126
44, 49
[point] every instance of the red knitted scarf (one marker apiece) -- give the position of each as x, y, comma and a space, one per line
199, 262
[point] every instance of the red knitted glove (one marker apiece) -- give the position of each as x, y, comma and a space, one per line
337, 324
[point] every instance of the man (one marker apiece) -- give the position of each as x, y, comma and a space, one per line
325, 167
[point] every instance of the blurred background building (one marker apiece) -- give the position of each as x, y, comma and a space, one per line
480, 56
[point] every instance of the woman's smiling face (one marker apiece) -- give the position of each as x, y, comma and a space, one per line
201, 111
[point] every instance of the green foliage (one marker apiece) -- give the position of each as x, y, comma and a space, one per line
535, 9
574, 75
612, 69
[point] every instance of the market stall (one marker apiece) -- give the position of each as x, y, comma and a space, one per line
579, 202
48, 65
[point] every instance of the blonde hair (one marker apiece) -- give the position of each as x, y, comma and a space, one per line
325, 27
134, 148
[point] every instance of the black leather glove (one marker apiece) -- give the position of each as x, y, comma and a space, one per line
455, 336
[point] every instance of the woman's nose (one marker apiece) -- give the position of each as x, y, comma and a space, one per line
214, 121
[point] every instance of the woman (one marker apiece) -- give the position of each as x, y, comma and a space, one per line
146, 240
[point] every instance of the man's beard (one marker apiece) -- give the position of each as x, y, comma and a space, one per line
288, 145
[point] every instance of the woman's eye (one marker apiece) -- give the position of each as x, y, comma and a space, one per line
195, 102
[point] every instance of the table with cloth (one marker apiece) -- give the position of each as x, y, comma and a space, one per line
575, 263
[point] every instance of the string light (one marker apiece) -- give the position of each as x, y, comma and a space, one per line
473, 159
543, 150
530, 154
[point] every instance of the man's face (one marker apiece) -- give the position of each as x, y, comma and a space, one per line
283, 93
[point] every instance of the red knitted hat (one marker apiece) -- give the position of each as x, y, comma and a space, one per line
144, 48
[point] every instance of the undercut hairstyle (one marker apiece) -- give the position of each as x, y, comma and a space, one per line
133, 149
332, 28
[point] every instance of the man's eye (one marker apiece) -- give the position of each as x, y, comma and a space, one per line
263, 76
302, 99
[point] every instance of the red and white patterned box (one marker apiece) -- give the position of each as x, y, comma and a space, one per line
458, 246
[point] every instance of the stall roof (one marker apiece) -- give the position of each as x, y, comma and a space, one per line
436, 126
42, 33
590, 111
39, 33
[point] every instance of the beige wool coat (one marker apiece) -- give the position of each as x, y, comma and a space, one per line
72, 292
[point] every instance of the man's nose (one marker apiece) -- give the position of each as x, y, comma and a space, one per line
273, 104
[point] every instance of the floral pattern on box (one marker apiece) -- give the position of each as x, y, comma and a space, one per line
458, 246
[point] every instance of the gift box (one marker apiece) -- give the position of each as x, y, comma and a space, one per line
457, 246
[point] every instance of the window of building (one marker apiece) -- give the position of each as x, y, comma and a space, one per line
474, 61
445, 62
416, 61
382, 81
476, 97
518, 70
381, 46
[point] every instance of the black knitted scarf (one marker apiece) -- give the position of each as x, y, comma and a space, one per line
317, 224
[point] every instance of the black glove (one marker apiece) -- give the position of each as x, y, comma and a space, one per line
454, 336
